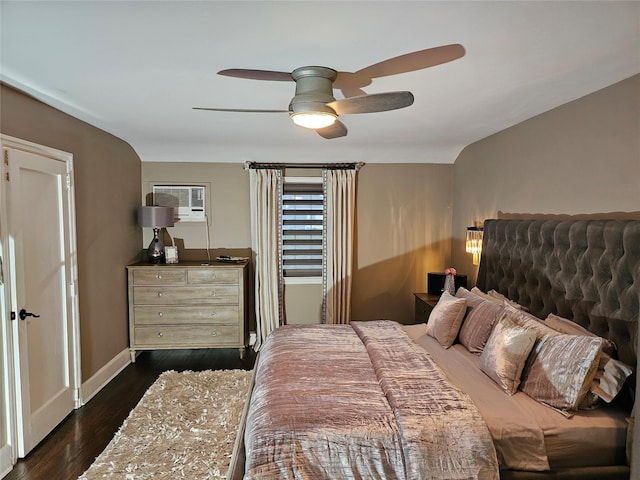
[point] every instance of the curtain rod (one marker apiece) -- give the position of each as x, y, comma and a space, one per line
324, 166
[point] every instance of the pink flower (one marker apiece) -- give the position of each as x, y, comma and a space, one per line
450, 271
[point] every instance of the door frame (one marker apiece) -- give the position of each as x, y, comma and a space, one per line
8, 450
8, 300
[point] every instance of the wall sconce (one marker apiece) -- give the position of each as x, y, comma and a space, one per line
156, 218
473, 243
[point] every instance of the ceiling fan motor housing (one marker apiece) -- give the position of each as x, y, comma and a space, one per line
314, 89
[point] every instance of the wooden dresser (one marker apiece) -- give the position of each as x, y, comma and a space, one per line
188, 305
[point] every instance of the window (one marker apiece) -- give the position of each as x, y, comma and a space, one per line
302, 224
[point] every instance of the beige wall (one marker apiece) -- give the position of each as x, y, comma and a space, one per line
403, 232
227, 203
403, 225
107, 188
303, 303
582, 157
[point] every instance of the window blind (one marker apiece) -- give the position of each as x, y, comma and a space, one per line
302, 224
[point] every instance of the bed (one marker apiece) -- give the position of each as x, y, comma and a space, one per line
530, 374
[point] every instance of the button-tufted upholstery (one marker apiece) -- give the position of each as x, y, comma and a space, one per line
584, 270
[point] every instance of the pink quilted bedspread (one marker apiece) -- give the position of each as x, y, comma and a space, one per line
360, 401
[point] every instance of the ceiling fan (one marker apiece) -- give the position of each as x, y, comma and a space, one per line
314, 105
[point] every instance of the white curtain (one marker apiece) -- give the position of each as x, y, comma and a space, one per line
340, 210
265, 195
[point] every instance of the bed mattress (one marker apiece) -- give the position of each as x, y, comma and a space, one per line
588, 438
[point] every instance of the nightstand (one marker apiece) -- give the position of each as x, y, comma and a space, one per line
424, 304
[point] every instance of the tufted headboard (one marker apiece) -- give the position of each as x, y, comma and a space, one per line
584, 270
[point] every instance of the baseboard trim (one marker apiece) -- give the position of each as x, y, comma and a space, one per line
103, 376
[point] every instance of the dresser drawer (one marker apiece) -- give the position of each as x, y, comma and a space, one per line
188, 305
209, 276
177, 336
159, 277
185, 295
168, 314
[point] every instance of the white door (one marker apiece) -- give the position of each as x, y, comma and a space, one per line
43, 274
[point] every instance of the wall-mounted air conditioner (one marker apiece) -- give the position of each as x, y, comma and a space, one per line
187, 200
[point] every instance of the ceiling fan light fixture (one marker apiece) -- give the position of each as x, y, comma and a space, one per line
314, 119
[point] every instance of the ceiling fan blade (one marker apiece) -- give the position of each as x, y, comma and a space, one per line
350, 82
377, 102
257, 74
337, 130
241, 110
411, 62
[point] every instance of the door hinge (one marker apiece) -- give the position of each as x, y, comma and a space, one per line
13, 315
6, 176
68, 181
6, 157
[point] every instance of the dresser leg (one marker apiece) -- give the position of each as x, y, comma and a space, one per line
242, 352
133, 355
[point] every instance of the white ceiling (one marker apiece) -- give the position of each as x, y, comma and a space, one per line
135, 69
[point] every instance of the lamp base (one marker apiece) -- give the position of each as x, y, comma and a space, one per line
155, 252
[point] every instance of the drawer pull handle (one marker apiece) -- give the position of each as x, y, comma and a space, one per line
213, 334
159, 277
160, 334
213, 314
213, 294
159, 294
160, 314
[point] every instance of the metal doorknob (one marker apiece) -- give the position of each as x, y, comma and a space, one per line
23, 314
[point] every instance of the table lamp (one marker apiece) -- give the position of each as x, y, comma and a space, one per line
156, 218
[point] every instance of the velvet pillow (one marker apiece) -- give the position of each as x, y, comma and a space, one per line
506, 352
445, 319
610, 378
610, 374
564, 325
525, 319
478, 324
484, 296
501, 297
473, 300
561, 370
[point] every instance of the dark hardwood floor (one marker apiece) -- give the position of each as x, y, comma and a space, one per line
72, 447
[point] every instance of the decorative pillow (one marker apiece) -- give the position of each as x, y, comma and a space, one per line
501, 297
472, 299
561, 369
610, 375
497, 297
478, 324
484, 296
527, 320
445, 319
506, 352
610, 378
564, 325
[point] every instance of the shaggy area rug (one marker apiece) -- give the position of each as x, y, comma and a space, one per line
184, 427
